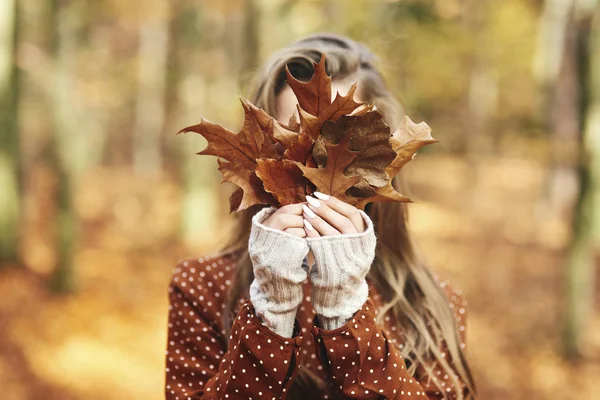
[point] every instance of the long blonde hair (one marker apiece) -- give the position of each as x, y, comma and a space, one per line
411, 293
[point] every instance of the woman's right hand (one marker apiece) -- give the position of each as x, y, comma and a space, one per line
288, 219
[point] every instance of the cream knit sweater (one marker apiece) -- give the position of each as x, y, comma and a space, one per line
339, 288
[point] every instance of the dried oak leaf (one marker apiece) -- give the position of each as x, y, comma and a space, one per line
370, 137
284, 180
331, 179
301, 150
409, 138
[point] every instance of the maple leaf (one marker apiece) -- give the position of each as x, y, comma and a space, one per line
284, 180
301, 150
277, 132
254, 141
338, 146
245, 147
382, 194
314, 99
252, 190
331, 179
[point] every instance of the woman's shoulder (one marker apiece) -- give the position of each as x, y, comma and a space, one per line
455, 296
458, 305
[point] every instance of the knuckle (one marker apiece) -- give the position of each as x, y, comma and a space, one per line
347, 225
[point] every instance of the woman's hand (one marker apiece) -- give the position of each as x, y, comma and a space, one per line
343, 241
329, 216
287, 219
277, 248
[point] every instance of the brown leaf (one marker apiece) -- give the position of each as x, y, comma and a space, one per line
235, 200
338, 146
369, 136
252, 188
382, 194
294, 124
272, 128
301, 150
315, 95
283, 179
243, 148
409, 138
314, 100
331, 178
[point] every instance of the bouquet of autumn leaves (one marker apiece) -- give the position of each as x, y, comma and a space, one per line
340, 147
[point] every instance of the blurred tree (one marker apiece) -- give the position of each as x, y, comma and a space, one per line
585, 244
10, 181
153, 39
250, 42
555, 68
66, 20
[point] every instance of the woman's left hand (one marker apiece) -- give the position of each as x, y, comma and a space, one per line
329, 216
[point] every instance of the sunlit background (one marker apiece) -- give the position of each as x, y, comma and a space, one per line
99, 198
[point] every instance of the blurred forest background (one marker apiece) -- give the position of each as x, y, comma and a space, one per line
99, 199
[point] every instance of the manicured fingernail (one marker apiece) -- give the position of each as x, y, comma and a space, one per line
321, 196
308, 211
308, 225
312, 201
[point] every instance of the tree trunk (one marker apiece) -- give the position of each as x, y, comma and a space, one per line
152, 75
585, 243
64, 146
10, 182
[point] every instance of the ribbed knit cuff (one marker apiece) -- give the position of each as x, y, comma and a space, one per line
339, 287
276, 291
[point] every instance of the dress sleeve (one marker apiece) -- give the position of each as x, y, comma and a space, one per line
438, 375
259, 363
363, 362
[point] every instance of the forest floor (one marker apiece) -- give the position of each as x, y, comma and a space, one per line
488, 232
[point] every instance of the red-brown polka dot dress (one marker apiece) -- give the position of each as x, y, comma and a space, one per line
361, 358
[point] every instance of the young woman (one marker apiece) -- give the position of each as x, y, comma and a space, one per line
317, 300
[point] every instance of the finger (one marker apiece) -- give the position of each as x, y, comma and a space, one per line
335, 219
310, 230
347, 210
294, 209
285, 221
320, 225
299, 232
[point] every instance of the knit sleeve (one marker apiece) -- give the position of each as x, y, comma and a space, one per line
259, 363
362, 361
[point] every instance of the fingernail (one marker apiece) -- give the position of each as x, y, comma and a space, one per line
312, 201
308, 225
321, 196
308, 211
